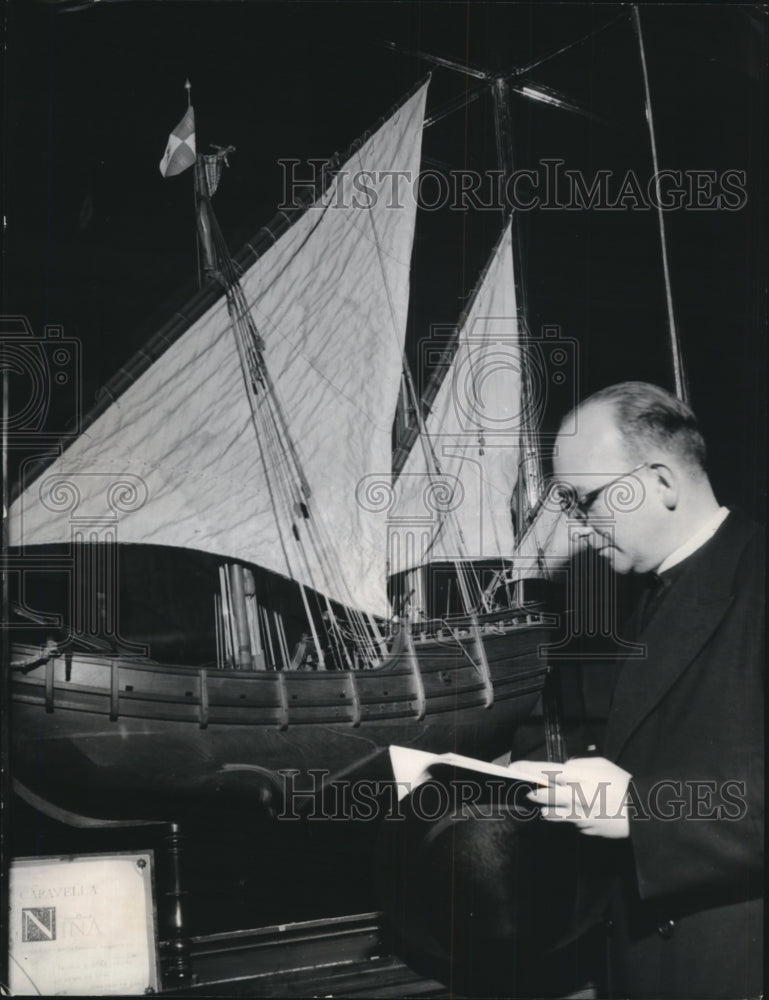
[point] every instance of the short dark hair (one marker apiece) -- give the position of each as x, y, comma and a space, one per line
650, 416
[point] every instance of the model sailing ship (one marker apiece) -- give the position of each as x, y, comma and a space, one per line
258, 429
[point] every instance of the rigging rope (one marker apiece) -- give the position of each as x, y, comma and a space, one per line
675, 346
289, 491
569, 45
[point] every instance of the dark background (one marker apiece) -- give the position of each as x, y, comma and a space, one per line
98, 242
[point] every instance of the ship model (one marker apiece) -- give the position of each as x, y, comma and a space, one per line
254, 433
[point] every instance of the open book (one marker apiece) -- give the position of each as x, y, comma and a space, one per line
412, 768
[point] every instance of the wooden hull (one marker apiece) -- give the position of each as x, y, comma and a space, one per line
114, 738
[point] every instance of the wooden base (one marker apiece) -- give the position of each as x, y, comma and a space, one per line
341, 956
349, 956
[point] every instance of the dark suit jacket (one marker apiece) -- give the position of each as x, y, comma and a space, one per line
687, 723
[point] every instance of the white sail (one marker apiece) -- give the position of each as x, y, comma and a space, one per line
330, 301
473, 428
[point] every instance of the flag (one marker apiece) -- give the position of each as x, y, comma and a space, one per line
180, 151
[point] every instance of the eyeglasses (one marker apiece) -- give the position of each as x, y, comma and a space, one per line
579, 506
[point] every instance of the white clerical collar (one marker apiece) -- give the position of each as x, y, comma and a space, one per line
697, 540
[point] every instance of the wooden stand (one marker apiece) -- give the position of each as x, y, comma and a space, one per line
175, 952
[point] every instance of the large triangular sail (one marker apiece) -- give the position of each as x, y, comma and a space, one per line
329, 301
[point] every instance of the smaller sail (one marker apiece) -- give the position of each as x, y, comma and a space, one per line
452, 498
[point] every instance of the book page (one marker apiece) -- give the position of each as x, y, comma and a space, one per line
412, 767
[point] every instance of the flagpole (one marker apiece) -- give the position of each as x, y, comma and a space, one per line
195, 192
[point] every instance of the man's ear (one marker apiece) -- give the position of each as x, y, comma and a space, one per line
667, 482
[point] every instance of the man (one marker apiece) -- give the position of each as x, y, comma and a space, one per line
677, 793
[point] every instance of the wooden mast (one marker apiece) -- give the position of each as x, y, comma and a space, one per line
531, 462
234, 622
247, 646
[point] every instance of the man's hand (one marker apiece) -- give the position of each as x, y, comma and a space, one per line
590, 792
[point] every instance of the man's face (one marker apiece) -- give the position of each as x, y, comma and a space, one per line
625, 523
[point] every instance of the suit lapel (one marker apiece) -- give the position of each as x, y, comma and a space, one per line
684, 622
